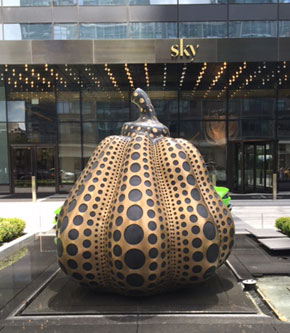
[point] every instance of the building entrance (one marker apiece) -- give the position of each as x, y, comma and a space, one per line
34, 160
253, 167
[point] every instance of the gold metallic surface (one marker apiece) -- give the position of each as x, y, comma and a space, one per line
143, 217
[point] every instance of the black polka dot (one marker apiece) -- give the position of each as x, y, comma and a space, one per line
135, 156
116, 235
119, 221
87, 232
88, 177
133, 234
86, 243
190, 180
193, 218
135, 167
195, 230
209, 231
153, 253
87, 266
232, 232
80, 190
195, 194
209, 272
135, 195
72, 264
229, 221
197, 256
78, 220
202, 211
153, 266
182, 155
134, 259
135, 180
152, 239
59, 247
197, 269
87, 254
186, 166
73, 234
71, 206
87, 197
196, 243
134, 213
64, 224
118, 264
135, 280
117, 250
77, 276
151, 213
71, 249
152, 225
212, 253
120, 208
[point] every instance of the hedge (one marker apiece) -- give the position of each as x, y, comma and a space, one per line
10, 228
283, 224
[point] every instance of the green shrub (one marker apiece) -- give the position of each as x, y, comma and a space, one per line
10, 228
283, 224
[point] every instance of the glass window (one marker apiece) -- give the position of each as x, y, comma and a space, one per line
26, 3
256, 1
64, 2
4, 171
94, 132
156, 30
68, 105
246, 29
152, 2
203, 29
2, 104
1, 35
283, 128
65, 31
103, 31
102, 2
16, 111
203, 2
284, 28
284, 165
24, 31
69, 136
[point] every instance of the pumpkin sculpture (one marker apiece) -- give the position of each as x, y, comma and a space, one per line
143, 217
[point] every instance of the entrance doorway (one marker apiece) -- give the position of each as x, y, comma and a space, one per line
253, 169
34, 160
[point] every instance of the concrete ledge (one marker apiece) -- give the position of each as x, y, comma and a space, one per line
9, 248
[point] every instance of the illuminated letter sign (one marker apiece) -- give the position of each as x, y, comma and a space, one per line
189, 51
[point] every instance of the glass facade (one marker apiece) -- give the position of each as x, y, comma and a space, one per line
226, 110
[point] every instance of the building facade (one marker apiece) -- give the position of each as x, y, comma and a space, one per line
217, 73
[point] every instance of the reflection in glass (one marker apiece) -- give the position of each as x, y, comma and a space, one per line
94, 132
64, 2
4, 168
69, 135
284, 165
45, 169
96, 106
68, 105
152, 2
26, 3
256, 1
203, 2
203, 29
156, 30
283, 128
22, 169
1, 35
2, 104
23, 31
246, 29
102, 2
16, 111
65, 31
103, 31
284, 28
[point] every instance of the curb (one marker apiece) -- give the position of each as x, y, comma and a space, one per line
15, 245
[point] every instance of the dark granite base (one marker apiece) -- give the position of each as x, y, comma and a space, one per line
221, 294
250, 258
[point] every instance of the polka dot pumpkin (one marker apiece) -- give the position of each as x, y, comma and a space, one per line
143, 217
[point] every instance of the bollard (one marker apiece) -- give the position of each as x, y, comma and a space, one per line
213, 177
274, 186
33, 188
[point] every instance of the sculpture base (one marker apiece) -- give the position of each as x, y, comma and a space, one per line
221, 294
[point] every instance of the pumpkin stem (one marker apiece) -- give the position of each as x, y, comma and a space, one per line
141, 99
